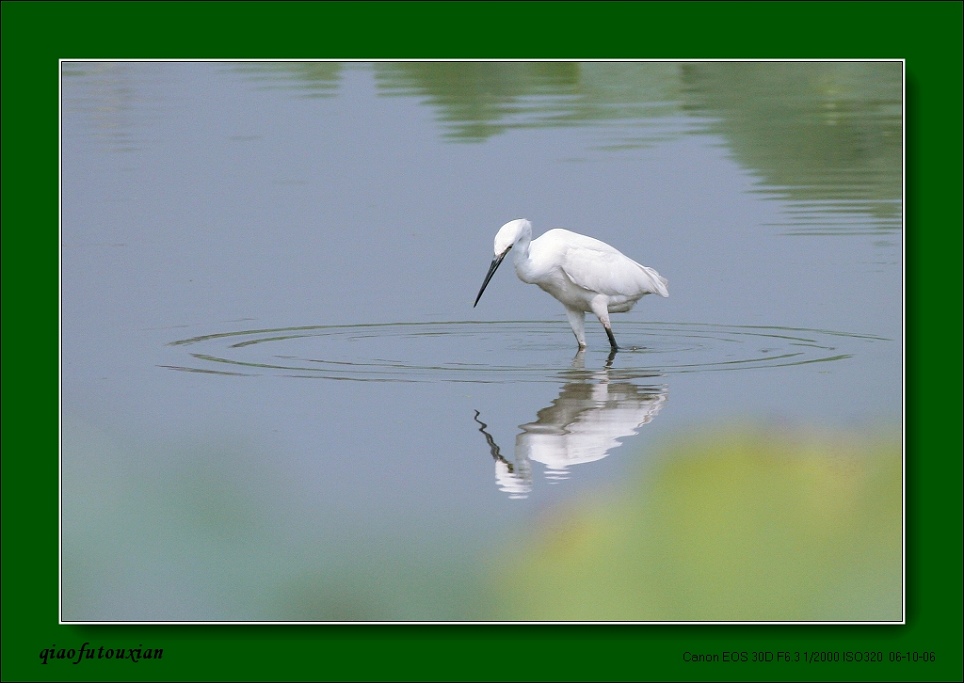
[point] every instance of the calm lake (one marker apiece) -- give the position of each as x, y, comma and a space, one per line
279, 404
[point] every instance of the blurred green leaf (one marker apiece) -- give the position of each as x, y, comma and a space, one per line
748, 525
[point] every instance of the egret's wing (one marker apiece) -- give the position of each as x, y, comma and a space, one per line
600, 268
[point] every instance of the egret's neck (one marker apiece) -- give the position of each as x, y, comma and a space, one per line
521, 247
520, 257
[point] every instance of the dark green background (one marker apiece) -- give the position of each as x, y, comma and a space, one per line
35, 35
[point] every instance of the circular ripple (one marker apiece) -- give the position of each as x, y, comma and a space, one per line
529, 351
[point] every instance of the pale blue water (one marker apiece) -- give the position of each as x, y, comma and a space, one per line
273, 379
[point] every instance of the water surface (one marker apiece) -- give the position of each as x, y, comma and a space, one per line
278, 402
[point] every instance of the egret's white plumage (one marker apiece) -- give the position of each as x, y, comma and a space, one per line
583, 273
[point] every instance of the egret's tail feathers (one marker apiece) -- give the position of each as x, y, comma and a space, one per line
664, 285
660, 285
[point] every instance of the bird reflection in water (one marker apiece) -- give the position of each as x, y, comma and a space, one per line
587, 421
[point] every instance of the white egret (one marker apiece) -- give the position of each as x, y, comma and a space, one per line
583, 273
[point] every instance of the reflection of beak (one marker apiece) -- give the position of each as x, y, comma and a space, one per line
488, 276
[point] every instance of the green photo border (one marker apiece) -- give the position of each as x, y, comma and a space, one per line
35, 35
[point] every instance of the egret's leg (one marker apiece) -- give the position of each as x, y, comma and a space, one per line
578, 323
600, 306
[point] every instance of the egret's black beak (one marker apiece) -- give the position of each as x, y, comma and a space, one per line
488, 276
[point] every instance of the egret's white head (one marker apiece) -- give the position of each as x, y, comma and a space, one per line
510, 233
